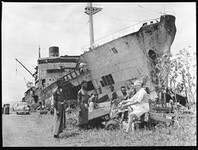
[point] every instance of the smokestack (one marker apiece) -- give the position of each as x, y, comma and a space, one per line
54, 51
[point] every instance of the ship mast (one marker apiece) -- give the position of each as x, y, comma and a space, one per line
89, 10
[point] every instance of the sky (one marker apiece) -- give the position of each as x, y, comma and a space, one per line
26, 26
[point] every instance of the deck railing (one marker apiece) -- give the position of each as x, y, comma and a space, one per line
115, 35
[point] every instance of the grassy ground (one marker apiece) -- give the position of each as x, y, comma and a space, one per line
72, 136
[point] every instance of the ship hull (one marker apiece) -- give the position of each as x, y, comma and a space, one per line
127, 57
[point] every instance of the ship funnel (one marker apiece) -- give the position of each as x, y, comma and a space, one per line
54, 51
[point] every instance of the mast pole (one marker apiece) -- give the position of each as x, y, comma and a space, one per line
89, 10
91, 30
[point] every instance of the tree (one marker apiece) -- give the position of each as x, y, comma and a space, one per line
181, 67
163, 69
186, 67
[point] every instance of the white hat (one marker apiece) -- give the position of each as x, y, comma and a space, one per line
137, 82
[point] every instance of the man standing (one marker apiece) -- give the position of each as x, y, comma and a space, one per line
139, 104
59, 111
83, 104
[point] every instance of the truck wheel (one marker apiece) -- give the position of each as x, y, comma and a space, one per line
111, 125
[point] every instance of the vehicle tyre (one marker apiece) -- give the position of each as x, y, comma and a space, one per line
17, 113
112, 125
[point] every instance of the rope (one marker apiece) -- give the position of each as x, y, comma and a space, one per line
16, 68
120, 30
127, 27
117, 31
151, 10
139, 21
119, 18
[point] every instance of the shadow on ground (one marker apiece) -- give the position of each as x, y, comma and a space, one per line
67, 135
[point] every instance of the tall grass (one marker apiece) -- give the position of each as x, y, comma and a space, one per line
72, 136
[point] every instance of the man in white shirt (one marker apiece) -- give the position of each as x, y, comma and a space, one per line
138, 104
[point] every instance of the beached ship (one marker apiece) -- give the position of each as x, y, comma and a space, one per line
118, 62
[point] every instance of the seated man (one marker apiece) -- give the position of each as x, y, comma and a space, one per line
113, 95
138, 104
124, 93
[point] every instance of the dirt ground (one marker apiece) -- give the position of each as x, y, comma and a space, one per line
27, 131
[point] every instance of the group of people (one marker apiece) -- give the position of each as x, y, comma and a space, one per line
136, 101
59, 104
126, 93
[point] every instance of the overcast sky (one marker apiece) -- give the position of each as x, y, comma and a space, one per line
25, 26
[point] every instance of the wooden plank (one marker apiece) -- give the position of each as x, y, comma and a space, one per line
161, 109
104, 104
98, 113
103, 99
159, 117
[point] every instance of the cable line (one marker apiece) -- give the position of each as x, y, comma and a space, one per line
151, 10
123, 29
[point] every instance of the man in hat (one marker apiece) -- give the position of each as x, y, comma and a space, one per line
139, 104
59, 111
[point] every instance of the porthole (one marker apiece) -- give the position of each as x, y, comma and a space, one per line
152, 54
